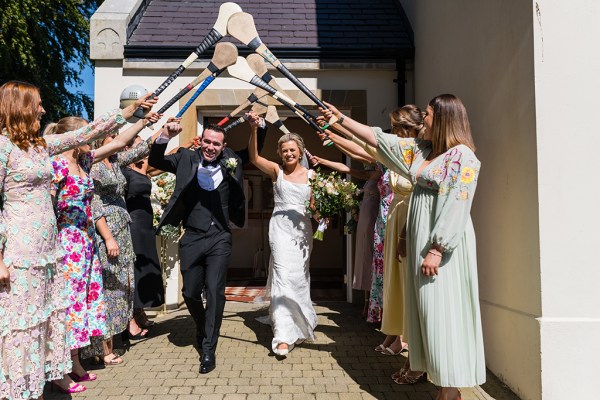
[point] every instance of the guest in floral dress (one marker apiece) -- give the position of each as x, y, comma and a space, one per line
442, 296
376, 299
33, 297
116, 249
74, 190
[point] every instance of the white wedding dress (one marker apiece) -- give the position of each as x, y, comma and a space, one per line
291, 313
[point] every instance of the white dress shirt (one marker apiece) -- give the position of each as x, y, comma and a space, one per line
209, 177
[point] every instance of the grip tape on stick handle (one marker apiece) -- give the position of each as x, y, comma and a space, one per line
204, 85
235, 123
212, 38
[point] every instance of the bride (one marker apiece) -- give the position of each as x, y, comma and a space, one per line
292, 315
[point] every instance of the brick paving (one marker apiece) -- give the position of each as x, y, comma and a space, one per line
339, 365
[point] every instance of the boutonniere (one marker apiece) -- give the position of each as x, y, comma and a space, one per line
231, 164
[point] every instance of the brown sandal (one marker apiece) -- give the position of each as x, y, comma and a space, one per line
408, 379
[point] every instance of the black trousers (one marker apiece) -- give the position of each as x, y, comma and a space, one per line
204, 261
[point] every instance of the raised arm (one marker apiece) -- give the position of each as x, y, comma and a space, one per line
364, 132
266, 166
342, 168
100, 127
244, 154
351, 149
157, 158
121, 140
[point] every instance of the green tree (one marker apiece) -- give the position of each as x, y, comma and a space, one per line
46, 43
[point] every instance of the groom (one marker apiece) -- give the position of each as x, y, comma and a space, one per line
208, 195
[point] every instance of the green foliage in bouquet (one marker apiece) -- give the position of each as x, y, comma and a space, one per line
163, 186
332, 195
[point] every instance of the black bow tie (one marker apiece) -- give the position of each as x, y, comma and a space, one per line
212, 163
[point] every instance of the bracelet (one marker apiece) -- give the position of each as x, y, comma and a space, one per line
435, 254
341, 119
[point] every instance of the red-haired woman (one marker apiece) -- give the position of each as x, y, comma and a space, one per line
33, 299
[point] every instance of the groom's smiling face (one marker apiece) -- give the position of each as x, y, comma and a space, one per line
212, 144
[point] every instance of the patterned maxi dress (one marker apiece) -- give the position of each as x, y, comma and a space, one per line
376, 299
81, 266
117, 273
33, 345
443, 320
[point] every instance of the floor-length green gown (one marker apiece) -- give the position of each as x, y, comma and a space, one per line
443, 321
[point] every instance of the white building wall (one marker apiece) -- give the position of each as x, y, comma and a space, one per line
111, 78
528, 74
567, 85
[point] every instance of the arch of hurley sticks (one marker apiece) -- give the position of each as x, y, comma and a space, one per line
240, 25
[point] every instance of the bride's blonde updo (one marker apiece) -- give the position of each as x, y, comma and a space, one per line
288, 137
407, 119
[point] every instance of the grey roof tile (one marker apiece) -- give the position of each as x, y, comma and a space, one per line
335, 24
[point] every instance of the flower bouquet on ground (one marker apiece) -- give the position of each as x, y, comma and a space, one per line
163, 186
331, 196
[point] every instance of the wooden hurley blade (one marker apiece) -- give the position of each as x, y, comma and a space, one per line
259, 108
273, 118
254, 97
224, 56
218, 31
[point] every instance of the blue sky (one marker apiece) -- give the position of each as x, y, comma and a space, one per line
87, 86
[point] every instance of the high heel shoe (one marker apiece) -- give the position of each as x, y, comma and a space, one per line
76, 388
380, 348
283, 352
389, 352
83, 378
408, 379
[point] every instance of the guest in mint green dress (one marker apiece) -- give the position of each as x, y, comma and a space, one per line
443, 322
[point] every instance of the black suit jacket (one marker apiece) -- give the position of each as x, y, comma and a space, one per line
184, 164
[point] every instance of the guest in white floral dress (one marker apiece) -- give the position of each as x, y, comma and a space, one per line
33, 299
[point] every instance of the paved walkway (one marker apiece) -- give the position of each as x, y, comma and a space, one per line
339, 365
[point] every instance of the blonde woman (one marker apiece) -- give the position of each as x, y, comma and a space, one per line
292, 315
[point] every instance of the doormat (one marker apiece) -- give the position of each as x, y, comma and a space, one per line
244, 294
248, 294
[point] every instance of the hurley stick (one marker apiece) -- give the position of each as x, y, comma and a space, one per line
241, 26
204, 85
257, 64
242, 71
254, 96
274, 119
257, 108
218, 31
224, 56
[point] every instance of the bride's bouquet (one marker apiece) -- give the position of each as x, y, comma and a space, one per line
163, 186
332, 195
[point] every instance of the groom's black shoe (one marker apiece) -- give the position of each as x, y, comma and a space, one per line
207, 363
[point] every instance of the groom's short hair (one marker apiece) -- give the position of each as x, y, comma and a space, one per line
216, 128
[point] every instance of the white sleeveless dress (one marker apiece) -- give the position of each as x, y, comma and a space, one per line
292, 315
